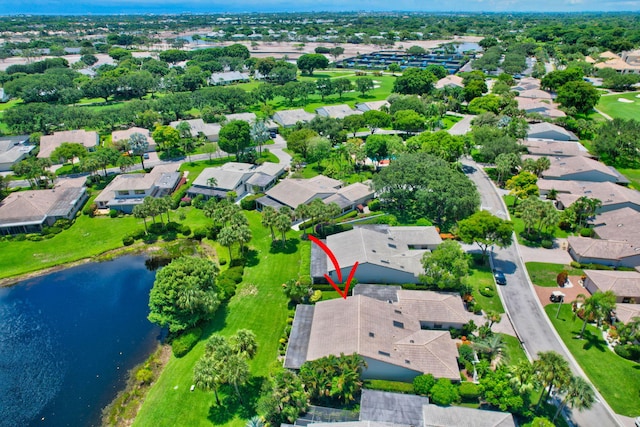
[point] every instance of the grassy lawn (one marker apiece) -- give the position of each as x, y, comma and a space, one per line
632, 175
480, 277
544, 274
259, 305
86, 238
515, 352
610, 105
617, 379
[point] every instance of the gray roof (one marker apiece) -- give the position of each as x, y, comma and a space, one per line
288, 118
228, 76
603, 249
621, 283
337, 111
294, 192
380, 292
539, 129
48, 143
388, 407
15, 153
620, 224
230, 175
6, 142
299, 338
555, 148
372, 105
210, 130
564, 168
608, 193
430, 306
458, 416
161, 176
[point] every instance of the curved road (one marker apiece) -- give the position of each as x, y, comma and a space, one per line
529, 320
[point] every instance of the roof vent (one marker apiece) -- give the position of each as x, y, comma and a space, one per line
412, 341
386, 261
371, 334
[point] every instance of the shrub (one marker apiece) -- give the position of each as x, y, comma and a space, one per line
138, 234
212, 231
128, 240
547, 244
172, 226
586, 232
156, 228
424, 222
227, 287
305, 280
466, 353
113, 213
628, 351
90, 209
199, 233
185, 230
144, 375
63, 223
374, 205
35, 237
562, 277
391, 386
185, 342
575, 264
51, 230
233, 273
317, 296
177, 197
223, 261
487, 292
469, 392
249, 202
422, 384
444, 393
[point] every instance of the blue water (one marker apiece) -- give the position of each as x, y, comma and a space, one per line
67, 340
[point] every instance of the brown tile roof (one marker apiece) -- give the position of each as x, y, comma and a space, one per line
380, 331
627, 312
554, 148
429, 306
602, 249
620, 224
608, 193
120, 135
567, 166
48, 143
622, 283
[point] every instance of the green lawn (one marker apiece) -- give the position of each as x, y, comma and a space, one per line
617, 379
86, 238
515, 352
480, 277
544, 274
610, 105
632, 175
259, 305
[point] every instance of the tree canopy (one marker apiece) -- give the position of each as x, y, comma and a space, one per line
485, 230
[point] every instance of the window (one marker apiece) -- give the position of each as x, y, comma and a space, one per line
437, 326
384, 353
139, 191
398, 324
123, 193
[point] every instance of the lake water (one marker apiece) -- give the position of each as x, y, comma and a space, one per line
68, 339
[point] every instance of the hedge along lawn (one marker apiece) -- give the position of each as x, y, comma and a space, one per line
545, 274
87, 237
259, 305
610, 105
617, 379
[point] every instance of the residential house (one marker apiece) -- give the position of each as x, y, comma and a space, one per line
436, 310
241, 178
527, 83
372, 105
12, 150
336, 111
550, 149
624, 284
128, 190
48, 143
606, 252
622, 225
294, 192
396, 408
450, 81
251, 118
289, 118
612, 196
228, 77
537, 94
456, 416
121, 135
580, 168
546, 130
389, 339
30, 211
384, 254
211, 131
545, 108
625, 313
626, 65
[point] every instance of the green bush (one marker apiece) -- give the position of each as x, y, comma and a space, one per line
249, 202
223, 261
444, 393
199, 233
487, 292
51, 230
424, 222
586, 232
177, 196
469, 392
305, 280
35, 237
156, 228
628, 351
317, 296
90, 209
138, 234
466, 353
374, 205
391, 386
144, 376
547, 244
422, 384
212, 231
128, 240
575, 264
233, 273
227, 288
172, 226
63, 223
185, 230
185, 342
113, 213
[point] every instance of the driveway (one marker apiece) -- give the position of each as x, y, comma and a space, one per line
532, 327
462, 127
556, 255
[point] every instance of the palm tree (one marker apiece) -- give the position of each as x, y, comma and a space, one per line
302, 212
599, 306
139, 211
269, 215
207, 375
245, 343
578, 395
227, 237
551, 370
243, 235
255, 422
283, 223
493, 346
236, 372
522, 376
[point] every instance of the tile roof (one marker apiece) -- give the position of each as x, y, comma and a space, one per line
627, 312
382, 406
294, 192
380, 331
567, 166
161, 176
450, 80
48, 143
120, 135
291, 117
609, 193
620, 224
535, 94
459, 416
555, 148
602, 249
372, 105
430, 306
199, 126
622, 283
337, 111
536, 129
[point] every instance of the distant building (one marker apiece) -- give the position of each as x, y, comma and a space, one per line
211, 131
612, 196
48, 143
372, 105
450, 81
550, 131
3, 95
120, 135
13, 149
227, 78
336, 111
289, 118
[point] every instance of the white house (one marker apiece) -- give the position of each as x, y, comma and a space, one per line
13, 149
289, 118
550, 131
211, 131
336, 111
606, 252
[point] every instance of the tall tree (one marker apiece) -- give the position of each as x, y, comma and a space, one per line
522, 185
552, 371
68, 151
139, 145
312, 61
282, 223
446, 267
597, 307
578, 395
235, 137
269, 215
485, 230
580, 95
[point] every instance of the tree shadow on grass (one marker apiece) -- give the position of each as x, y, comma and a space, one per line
231, 405
251, 258
290, 247
592, 340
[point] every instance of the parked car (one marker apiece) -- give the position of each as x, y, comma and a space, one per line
145, 156
499, 276
557, 296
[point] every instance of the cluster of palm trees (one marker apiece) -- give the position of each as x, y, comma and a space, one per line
279, 220
333, 378
235, 225
153, 207
597, 307
226, 361
317, 211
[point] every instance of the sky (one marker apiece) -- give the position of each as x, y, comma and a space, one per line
82, 7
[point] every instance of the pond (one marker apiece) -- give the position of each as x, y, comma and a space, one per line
68, 339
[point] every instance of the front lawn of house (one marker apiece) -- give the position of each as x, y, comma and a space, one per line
545, 274
617, 379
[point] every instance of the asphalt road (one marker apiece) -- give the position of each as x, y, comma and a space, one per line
530, 322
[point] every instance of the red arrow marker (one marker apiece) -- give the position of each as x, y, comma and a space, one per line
334, 261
